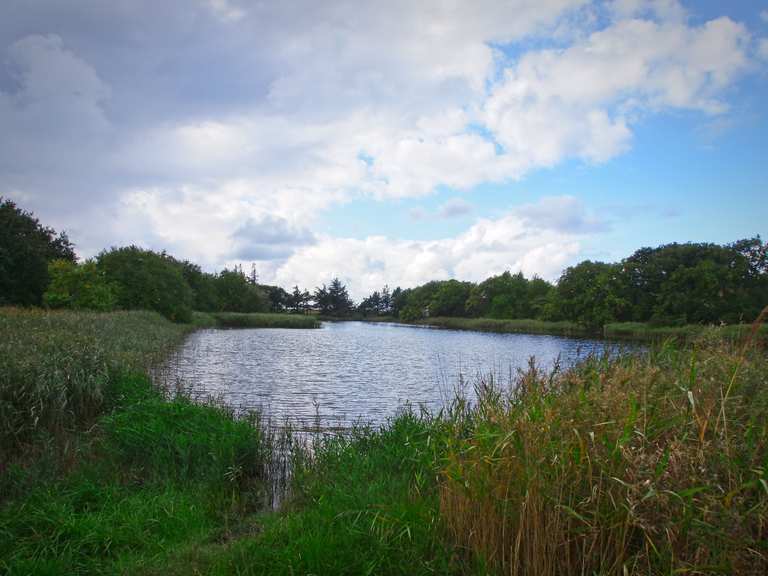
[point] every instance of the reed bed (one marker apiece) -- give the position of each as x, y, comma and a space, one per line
653, 464
259, 320
60, 370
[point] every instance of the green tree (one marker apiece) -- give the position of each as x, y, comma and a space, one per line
333, 300
450, 298
237, 293
26, 248
588, 293
79, 286
147, 280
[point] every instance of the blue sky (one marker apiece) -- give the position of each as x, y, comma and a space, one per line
387, 142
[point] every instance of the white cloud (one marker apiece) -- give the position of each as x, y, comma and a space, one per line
169, 145
518, 241
581, 101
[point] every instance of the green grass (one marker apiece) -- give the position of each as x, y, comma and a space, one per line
364, 504
689, 333
238, 320
648, 464
629, 330
506, 326
150, 477
58, 369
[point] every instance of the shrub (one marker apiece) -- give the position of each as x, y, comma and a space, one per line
147, 280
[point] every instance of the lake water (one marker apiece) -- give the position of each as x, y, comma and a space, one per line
349, 371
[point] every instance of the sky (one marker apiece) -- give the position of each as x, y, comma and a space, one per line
386, 142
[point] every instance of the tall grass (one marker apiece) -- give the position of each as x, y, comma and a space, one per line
630, 330
237, 320
654, 464
58, 370
524, 326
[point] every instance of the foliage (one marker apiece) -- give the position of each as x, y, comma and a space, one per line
78, 286
587, 293
298, 300
333, 300
146, 280
26, 248
693, 283
377, 304
238, 293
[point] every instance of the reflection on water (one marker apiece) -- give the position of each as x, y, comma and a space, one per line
350, 371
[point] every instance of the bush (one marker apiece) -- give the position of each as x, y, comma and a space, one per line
77, 287
147, 280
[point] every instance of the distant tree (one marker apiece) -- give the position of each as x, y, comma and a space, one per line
385, 308
26, 248
236, 292
695, 283
79, 286
589, 294
333, 300
204, 294
450, 298
278, 298
147, 280
298, 300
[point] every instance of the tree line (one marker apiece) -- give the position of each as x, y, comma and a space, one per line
673, 284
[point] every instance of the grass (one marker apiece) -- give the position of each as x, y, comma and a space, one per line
58, 370
238, 320
506, 326
653, 464
365, 503
629, 330
647, 464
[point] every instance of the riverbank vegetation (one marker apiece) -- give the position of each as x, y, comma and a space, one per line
655, 463
673, 285
614, 330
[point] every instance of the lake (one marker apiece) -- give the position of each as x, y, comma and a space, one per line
344, 372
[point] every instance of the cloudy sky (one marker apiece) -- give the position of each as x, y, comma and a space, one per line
386, 142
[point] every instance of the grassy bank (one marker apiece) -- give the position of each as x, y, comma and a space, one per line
629, 330
101, 472
254, 320
653, 464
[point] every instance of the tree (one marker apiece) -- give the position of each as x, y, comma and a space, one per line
298, 300
278, 298
450, 298
588, 293
333, 300
79, 286
26, 248
237, 293
146, 280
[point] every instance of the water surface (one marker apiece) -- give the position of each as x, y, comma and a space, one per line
346, 371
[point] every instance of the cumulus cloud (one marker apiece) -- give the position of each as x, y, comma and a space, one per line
195, 127
541, 238
269, 238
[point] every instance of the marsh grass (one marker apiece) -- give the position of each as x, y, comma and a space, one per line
258, 320
60, 370
615, 330
653, 464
